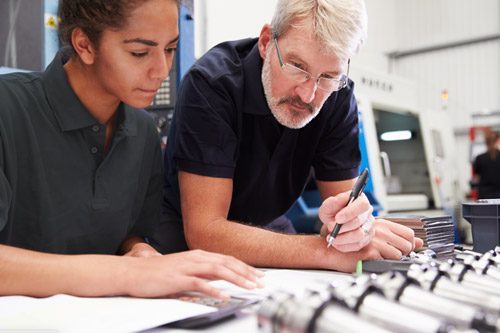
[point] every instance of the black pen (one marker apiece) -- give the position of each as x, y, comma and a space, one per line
356, 191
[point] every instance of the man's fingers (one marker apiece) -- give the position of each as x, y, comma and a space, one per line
331, 206
359, 206
418, 243
334, 210
356, 231
400, 236
390, 252
357, 221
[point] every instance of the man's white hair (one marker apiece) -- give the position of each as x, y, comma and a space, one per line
339, 25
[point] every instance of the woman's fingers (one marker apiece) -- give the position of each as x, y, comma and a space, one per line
234, 265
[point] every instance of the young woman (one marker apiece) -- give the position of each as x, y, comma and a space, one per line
80, 163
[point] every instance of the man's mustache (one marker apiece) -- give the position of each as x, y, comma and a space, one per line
297, 101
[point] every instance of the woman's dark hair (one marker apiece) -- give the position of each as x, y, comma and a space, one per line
93, 16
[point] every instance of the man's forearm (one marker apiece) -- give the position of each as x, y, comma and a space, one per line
24, 272
264, 248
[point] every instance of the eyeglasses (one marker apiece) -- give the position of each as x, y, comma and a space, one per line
325, 83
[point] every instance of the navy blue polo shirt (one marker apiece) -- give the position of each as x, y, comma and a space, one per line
58, 192
223, 127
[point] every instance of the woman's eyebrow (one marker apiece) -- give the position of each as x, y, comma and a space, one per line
148, 42
141, 41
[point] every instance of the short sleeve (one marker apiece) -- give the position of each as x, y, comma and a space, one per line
338, 155
205, 140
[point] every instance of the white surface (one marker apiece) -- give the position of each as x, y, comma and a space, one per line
401, 202
64, 313
294, 281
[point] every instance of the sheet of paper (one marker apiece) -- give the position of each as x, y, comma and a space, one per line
63, 313
293, 281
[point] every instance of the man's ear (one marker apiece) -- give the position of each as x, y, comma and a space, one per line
83, 46
265, 38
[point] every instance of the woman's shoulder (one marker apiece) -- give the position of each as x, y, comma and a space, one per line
19, 88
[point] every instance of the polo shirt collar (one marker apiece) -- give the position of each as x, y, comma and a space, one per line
126, 121
255, 99
69, 111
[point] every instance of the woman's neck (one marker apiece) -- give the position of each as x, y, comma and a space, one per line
101, 105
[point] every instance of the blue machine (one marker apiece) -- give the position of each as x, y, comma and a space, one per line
185, 49
51, 40
162, 108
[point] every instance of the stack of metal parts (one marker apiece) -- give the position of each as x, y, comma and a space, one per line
438, 233
454, 295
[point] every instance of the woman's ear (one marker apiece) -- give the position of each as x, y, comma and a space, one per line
83, 46
265, 38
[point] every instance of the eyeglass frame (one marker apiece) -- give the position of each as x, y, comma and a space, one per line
308, 75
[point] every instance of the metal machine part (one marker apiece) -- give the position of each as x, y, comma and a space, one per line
407, 292
271, 309
432, 279
336, 318
282, 312
484, 264
468, 277
365, 298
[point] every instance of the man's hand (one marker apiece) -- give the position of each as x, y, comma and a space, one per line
391, 241
189, 271
359, 228
356, 219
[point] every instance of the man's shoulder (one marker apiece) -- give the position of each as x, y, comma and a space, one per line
226, 58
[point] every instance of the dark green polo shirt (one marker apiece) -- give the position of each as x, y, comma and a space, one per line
58, 192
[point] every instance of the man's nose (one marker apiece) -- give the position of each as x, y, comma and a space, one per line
307, 90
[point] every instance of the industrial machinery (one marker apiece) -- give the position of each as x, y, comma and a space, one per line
410, 151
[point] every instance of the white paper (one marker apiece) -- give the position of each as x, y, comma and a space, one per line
63, 313
296, 282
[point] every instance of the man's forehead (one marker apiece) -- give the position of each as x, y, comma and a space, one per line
302, 31
312, 52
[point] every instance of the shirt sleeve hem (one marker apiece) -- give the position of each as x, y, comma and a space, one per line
205, 169
337, 175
